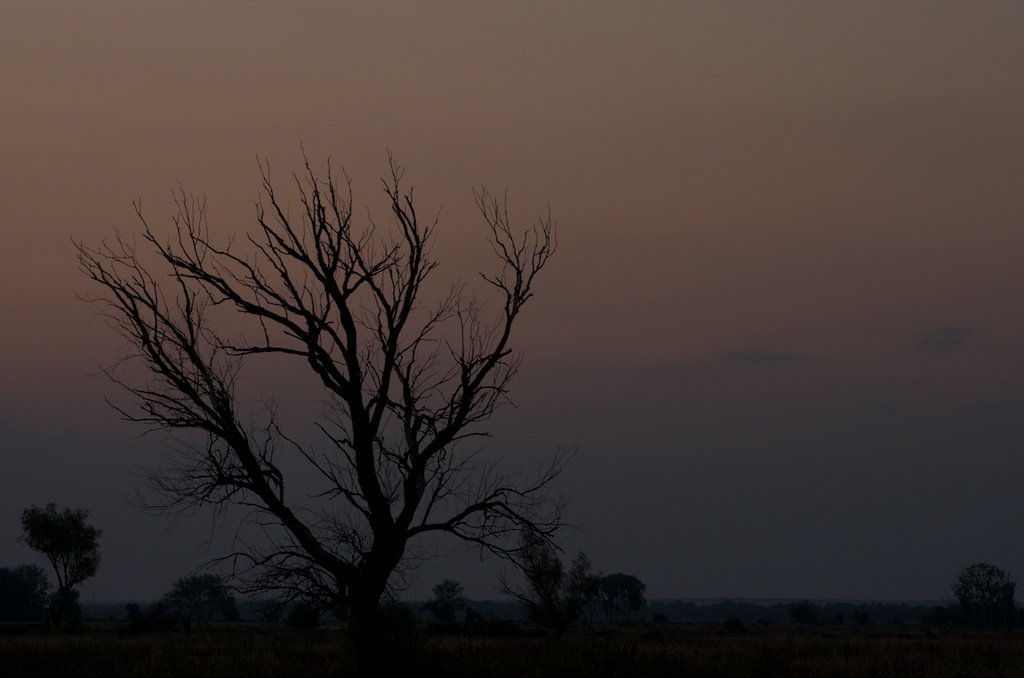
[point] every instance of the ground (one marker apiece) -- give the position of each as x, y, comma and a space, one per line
263, 651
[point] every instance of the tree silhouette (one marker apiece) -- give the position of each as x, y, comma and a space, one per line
24, 593
133, 611
985, 596
804, 612
621, 595
449, 598
406, 383
201, 598
553, 597
69, 544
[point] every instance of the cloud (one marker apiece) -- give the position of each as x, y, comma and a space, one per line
755, 357
943, 339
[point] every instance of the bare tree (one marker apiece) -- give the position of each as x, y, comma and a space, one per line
406, 384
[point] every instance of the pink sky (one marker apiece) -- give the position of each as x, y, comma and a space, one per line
764, 210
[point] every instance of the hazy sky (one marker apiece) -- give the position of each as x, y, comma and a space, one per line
785, 323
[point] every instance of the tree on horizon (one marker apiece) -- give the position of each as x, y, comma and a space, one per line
68, 543
407, 382
984, 596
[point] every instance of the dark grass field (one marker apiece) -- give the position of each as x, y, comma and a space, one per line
253, 651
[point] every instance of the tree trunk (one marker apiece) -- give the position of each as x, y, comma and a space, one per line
384, 640
57, 614
382, 645
363, 620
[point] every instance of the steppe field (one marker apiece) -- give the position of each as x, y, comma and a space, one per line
256, 651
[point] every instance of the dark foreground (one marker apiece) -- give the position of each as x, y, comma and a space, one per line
253, 651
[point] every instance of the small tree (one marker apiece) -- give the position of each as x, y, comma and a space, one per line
862, 618
621, 595
449, 598
554, 597
804, 612
985, 596
202, 598
70, 545
133, 611
24, 593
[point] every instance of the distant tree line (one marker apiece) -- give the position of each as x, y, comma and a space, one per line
198, 599
790, 612
553, 594
982, 595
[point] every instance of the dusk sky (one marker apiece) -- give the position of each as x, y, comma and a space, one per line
785, 323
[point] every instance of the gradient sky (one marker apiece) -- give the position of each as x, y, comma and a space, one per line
784, 325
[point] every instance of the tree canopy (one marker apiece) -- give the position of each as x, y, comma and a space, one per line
24, 593
621, 595
201, 597
449, 598
985, 596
